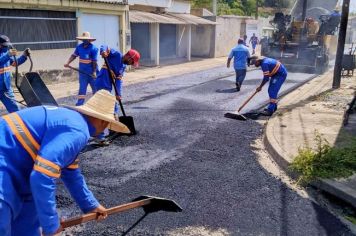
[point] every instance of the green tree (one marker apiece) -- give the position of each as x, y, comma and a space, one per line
240, 7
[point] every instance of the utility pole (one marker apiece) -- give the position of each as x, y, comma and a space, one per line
341, 44
214, 7
304, 13
256, 13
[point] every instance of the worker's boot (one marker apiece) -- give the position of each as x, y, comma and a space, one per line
238, 86
102, 142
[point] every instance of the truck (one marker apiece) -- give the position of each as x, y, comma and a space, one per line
303, 40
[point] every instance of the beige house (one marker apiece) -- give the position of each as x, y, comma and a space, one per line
49, 27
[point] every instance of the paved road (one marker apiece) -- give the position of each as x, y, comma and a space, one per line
187, 151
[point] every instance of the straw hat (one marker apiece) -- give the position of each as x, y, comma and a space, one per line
85, 36
101, 106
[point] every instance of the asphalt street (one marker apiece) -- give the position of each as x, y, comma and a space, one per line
187, 151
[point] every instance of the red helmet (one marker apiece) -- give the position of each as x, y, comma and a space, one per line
134, 55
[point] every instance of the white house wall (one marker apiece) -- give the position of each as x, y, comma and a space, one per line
202, 39
152, 3
105, 28
228, 30
179, 7
183, 40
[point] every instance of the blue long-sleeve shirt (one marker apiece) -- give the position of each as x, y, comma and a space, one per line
272, 67
6, 63
38, 145
115, 60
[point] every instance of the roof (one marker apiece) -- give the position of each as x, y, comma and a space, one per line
119, 2
148, 17
191, 19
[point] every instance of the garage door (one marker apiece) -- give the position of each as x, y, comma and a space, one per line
167, 41
105, 28
141, 39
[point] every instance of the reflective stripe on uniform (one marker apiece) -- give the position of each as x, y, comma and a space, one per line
84, 61
266, 73
276, 68
74, 165
22, 134
81, 96
271, 100
47, 167
5, 69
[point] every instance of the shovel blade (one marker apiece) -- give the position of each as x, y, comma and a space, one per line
159, 204
129, 122
235, 116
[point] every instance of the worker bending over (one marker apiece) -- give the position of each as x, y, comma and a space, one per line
274, 71
39, 145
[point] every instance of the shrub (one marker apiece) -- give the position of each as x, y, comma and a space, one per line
325, 161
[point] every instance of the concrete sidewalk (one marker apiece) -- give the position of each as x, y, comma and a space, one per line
60, 90
313, 107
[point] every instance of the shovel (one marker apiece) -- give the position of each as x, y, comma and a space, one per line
126, 120
148, 203
236, 115
80, 71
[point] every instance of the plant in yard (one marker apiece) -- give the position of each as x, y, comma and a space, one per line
325, 161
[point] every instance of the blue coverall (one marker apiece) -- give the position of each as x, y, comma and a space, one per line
254, 42
103, 81
88, 55
277, 72
38, 145
7, 96
117, 65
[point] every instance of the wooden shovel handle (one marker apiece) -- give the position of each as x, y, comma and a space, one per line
93, 216
247, 100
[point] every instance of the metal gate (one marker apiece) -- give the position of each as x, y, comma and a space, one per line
140, 39
167, 41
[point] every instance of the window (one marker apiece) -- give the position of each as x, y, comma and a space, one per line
38, 29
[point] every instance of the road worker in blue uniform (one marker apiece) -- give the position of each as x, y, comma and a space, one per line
240, 53
118, 64
38, 146
88, 56
254, 41
276, 73
7, 61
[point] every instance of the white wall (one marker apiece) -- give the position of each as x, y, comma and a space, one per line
182, 40
154, 3
52, 59
179, 7
202, 39
105, 28
228, 30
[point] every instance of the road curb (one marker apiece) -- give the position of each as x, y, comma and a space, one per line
333, 187
271, 144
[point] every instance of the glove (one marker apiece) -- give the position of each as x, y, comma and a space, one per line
26, 52
12, 52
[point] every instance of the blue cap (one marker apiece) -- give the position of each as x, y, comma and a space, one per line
5, 41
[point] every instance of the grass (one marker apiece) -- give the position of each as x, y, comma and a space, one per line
325, 161
352, 219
